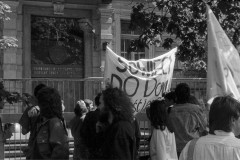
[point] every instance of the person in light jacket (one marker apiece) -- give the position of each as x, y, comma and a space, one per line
162, 143
220, 143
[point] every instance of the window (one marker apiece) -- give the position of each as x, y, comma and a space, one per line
126, 37
57, 47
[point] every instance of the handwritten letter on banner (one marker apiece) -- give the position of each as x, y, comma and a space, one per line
143, 80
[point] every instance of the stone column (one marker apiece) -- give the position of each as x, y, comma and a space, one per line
87, 28
12, 57
106, 19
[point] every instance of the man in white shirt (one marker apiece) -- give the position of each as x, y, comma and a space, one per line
221, 143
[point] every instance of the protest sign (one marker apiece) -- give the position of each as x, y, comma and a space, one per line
143, 80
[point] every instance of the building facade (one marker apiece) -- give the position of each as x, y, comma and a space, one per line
64, 39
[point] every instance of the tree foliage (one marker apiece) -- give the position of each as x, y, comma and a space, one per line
186, 21
6, 41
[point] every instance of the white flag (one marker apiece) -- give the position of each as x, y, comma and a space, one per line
143, 80
223, 76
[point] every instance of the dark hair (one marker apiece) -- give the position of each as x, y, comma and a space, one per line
38, 88
88, 102
193, 100
222, 110
170, 96
158, 114
118, 103
80, 108
96, 100
182, 92
49, 101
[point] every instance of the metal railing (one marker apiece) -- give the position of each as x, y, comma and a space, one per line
71, 91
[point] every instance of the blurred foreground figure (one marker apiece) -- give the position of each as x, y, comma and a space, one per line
221, 143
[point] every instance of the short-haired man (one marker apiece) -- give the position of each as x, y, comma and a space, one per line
185, 119
221, 143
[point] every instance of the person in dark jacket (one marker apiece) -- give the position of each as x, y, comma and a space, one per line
5, 133
89, 104
51, 139
80, 150
30, 118
91, 138
170, 100
137, 135
120, 143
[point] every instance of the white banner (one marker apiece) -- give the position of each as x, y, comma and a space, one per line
143, 80
223, 77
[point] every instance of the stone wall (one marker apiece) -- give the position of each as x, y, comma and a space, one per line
12, 57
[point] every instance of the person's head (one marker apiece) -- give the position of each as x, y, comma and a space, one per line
224, 115
182, 92
158, 114
118, 103
89, 104
50, 103
97, 99
170, 98
80, 108
38, 88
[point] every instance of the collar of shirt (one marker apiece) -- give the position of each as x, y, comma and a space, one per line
223, 133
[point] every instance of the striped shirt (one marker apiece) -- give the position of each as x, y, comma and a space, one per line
221, 146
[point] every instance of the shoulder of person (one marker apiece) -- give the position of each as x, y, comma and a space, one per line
123, 126
92, 113
55, 122
188, 106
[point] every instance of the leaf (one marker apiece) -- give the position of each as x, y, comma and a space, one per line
186, 19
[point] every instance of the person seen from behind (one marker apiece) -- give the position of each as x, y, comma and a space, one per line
80, 151
186, 120
91, 138
51, 139
162, 143
120, 143
220, 143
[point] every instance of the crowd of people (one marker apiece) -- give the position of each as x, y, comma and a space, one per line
108, 129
